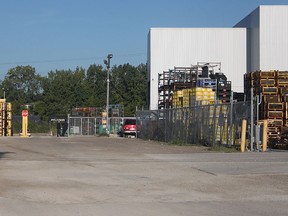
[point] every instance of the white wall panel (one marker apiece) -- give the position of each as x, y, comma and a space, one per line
274, 37
267, 43
171, 47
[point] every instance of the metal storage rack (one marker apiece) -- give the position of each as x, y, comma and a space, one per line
180, 78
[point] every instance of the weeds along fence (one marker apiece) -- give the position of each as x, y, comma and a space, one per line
209, 124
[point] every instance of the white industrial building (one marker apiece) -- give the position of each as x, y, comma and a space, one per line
258, 42
267, 38
169, 47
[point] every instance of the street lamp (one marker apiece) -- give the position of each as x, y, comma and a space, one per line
107, 63
4, 93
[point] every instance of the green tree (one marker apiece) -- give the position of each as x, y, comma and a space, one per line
129, 87
22, 86
96, 86
63, 90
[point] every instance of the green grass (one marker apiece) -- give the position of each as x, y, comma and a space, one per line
224, 148
180, 143
177, 142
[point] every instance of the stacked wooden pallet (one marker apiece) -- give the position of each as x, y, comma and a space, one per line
273, 85
5, 118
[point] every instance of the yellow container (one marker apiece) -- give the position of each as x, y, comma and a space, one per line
207, 89
196, 98
208, 93
207, 102
179, 93
197, 93
186, 91
197, 89
211, 98
9, 107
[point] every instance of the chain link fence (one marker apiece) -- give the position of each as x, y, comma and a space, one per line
91, 126
208, 125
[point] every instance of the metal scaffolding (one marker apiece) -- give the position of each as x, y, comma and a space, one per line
182, 78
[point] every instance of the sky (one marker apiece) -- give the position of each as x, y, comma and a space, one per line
63, 34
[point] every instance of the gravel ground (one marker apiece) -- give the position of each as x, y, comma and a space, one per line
117, 176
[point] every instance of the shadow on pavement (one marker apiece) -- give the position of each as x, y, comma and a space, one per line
3, 154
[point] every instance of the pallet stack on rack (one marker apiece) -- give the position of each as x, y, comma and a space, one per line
5, 118
224, 91
273, 85
174, 80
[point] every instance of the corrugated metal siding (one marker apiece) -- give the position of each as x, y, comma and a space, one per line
273, 37
171, 47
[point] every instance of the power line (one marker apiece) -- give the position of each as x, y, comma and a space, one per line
68, 59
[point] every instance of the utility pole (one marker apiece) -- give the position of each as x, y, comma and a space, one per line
107, 63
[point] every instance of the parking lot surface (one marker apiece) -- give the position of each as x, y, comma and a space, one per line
117, 176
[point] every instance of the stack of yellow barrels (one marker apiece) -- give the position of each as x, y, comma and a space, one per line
192, 97
5, 118
177, 99
186, 97
202, 96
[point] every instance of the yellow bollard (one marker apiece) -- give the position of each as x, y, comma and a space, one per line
265, 128
243, 135
24, 123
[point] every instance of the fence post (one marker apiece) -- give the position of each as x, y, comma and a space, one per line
214, 125
95, 126
265, 127
252, 122
243, 135
88, 126
257, 127
231, 120
165, 121
68, 119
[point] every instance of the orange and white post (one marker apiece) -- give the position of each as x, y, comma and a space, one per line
25, 123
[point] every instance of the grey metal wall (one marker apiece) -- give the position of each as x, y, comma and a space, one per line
169, 47
252, 23
267, 44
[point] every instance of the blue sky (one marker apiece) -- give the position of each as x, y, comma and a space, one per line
64, 34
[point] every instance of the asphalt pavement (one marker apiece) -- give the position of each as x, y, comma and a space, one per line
85, 176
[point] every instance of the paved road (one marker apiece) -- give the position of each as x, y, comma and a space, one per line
42, 176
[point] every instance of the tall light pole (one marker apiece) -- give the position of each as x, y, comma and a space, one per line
4, 93
107, 63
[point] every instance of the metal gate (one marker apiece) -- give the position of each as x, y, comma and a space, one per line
91, 126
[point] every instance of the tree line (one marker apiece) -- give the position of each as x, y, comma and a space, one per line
61, 90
